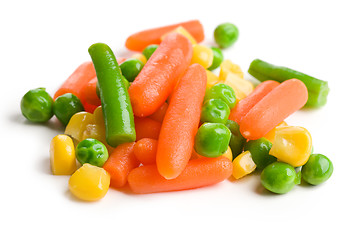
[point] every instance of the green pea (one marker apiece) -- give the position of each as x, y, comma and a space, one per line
36, 105
149, 50
237, 141
217, 59
259, 150
222, 91
226, 35
279, 177
91, 151
212, 139
131, 68
65, 106
318, 169
215, 110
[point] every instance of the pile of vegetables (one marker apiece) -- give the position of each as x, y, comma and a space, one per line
177, 116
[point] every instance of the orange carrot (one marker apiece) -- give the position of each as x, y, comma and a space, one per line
90, 93
180, 124
140, 40
158, 77
77, 81
146, 128
89, 107
244, 106
145, 151
160, 113
194, 155
198, 173
285, 99
120, 162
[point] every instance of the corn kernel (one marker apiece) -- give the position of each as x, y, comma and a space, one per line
271, 134
92, 131
241, 86
97, 129
227, 67
77, 125
62, 155
99, 122
212, 79
202, 55
182, 31
292, 145
97, 132
89, 183
228, 154
99, 117
140, 56
243, 165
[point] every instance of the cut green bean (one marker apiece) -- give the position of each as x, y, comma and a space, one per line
317, 89
115, 100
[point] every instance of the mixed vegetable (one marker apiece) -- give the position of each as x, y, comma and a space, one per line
37, 105
177, 115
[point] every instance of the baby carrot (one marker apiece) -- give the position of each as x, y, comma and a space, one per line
198, 173
160, 113
89, 107
77, 81
285, 99
140, 40
179, 127
145, 151
146, 128
244, 106
90, 92
158, 77
120, 162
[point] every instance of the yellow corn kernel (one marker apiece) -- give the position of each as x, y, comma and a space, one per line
97, 132
140, 56
227, 67
241, 86
243, 165
212, 79
99, 121
202, 55
292, 145
271, 134
77, 125
99, 117
62, 155
89, 183
92, 131
182, 31
228, 154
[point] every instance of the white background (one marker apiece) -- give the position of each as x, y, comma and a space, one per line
43, 42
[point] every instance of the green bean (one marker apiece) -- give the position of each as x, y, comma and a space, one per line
317, 89
115, 100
